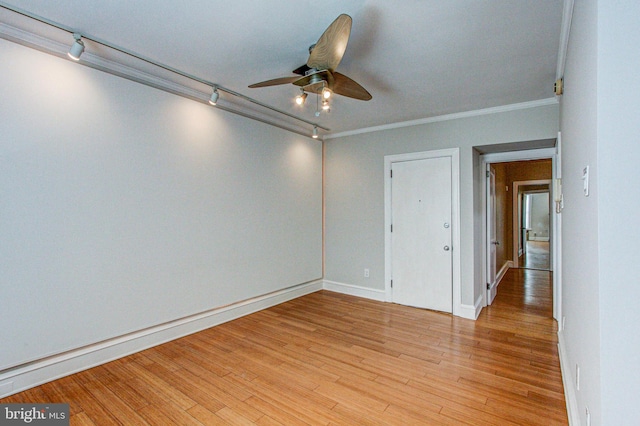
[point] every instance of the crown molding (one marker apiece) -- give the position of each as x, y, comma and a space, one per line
565, 30
447, 117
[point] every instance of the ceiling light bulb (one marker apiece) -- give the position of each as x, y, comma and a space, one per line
326, 93
325, 105
214, 97
315, 132
76, 48
301, 98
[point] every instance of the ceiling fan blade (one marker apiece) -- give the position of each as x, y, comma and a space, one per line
328, 51
275, 82
343, 85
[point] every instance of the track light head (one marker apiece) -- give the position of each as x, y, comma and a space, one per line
214, 96
76, 48
315, 132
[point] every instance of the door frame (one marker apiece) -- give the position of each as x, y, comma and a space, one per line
556, 219
454, 154
492, 274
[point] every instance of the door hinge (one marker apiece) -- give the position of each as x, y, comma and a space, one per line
391, 227
488, 173
488, 286
391, 173
391, 283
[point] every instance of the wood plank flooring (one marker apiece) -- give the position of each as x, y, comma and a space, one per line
332, 359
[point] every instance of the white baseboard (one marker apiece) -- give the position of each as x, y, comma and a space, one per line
470, 311
508, 264
45, 370
354, 290
539, 239
568, 383
464, 311
493, 291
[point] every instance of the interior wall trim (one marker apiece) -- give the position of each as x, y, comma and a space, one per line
508, 264
565, 31
493, 291
470, 311
354, 290
463, 311
455, 116
568, 382
45, 370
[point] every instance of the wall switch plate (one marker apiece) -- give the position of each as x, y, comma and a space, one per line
585, 181
366, 273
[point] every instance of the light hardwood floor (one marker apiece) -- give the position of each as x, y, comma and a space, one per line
332, 359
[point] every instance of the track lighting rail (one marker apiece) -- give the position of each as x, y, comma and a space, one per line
78, 39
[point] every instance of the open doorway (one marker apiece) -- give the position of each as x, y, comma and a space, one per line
532, 224
500, 244
506, 244
537, 230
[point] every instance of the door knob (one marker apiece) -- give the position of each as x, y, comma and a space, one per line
446, 248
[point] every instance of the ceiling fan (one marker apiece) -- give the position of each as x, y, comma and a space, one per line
319, 73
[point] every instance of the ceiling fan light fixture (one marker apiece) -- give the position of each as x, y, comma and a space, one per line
318, 73
325, 105
76, 48
214, 96
301, 98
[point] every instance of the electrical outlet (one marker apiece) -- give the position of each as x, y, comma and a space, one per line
577, 377
588, 417
366, 273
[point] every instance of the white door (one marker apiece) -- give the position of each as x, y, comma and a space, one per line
492, 240
421, 261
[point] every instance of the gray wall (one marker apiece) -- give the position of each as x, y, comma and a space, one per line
600, 128
123, 207
354, 189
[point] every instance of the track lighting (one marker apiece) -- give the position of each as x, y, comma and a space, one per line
214, 96
301, 97
315, 132
76, 48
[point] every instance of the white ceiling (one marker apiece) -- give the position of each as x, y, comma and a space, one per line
418, 58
